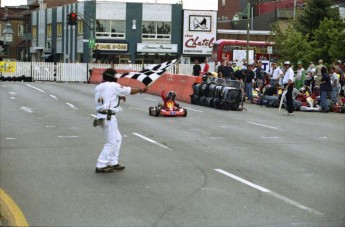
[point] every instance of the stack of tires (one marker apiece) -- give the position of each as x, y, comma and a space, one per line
217, 94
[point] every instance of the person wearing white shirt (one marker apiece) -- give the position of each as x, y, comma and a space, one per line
276, 73
288, 86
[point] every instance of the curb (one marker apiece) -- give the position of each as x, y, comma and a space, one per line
10, 211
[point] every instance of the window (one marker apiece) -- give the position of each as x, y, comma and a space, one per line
20, 30
108, 29
34, 32
59, 30
80, 28
156, 30
49, 31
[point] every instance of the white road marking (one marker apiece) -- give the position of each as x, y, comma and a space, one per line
50, 126
35, 88
200, 111
71, 105
12, 93
269, 192
12, 97
152, 141
155, 100
66, 137
263, 125
26, 109
10, 138
54, 97
92, 115
269, 137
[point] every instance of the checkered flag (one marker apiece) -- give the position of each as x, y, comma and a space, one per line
151, 73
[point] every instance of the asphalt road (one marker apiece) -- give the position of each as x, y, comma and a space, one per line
212, 168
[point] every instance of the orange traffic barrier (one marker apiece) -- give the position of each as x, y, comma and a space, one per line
182, 85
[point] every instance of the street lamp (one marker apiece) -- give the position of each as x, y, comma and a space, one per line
8, 37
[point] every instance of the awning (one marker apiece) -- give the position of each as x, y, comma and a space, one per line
46, 55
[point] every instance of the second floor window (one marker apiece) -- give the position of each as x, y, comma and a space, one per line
107, 29
59, 30
156, 30
34, 32
80, 28
49, 31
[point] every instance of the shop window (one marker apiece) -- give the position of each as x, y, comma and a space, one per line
156, 30
110, 29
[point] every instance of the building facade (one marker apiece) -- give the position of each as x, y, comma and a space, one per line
107, 32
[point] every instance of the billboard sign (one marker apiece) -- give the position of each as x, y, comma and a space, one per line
199, 32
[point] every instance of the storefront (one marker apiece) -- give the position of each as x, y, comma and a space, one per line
107, 52
151, 53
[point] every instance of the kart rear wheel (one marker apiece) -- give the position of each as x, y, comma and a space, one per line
158, 110
150, 110
185, 112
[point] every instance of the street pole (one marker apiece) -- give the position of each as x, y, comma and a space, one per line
248, 24
91, 38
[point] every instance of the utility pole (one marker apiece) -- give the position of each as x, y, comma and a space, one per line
248, 25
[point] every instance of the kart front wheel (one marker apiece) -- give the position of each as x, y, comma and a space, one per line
185, 112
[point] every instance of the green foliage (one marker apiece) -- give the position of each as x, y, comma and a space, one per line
315, 11
317, 33
292, 45
329, 40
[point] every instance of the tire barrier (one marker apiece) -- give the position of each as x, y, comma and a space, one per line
18, 78
219, 94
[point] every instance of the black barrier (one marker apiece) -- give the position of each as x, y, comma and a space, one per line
218, 93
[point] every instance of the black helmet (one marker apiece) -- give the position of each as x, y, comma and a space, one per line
109, 75
204, 78
171, 96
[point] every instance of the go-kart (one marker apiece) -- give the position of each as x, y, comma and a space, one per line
167, 110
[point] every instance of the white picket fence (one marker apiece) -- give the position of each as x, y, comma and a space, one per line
77, 72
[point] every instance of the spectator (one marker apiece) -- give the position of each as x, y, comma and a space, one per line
259, 75
221, 70
288, 86
271, 94
228, 71
318, 72
300, 76
275, 74
325, 87
196, 68
335, 84
206, 67
249, 82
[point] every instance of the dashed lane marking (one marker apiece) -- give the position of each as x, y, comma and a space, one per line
152, 141
269, 192
266, 126
35, 88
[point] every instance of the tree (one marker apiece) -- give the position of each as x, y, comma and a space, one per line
314, 12
292, 45
329, 40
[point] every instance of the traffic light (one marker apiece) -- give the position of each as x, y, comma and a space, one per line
72, 19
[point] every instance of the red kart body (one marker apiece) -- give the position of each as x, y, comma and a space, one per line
168, 110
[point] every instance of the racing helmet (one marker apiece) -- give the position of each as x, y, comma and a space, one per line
109, 75
171, 96
302, 90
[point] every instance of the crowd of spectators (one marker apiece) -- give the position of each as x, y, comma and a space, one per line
323, 84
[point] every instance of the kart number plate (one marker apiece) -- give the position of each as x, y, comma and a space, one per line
172, 112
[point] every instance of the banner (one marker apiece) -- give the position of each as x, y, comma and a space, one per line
8, 67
